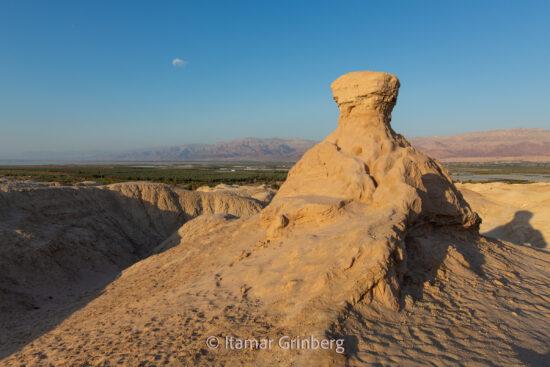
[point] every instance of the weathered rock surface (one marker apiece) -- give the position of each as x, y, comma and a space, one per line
262, 193
367, 241
370, 188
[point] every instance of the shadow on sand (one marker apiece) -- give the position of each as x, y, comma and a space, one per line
92, 236
429, 244
532, 358
519, 230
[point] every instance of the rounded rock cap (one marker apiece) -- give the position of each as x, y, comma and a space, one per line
358, 85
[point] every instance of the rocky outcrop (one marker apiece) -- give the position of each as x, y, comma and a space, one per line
370, 187
368, 242
262, 193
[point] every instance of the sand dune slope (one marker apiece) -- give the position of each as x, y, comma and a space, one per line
512, 212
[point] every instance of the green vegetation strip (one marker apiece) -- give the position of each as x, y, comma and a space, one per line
500, 168
190, 178
197, 175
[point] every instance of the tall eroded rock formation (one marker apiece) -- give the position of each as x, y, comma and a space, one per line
359, 193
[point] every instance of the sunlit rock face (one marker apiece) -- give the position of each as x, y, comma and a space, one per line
365, 166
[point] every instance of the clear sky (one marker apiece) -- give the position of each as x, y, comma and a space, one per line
81, 75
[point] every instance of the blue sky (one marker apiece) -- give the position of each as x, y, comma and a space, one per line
81, 75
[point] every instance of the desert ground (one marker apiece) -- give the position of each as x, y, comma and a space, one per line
516, 213
368, 248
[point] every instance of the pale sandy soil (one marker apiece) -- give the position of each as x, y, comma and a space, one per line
518, 213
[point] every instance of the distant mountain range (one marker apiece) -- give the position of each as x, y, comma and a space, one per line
248, 149
498, 145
